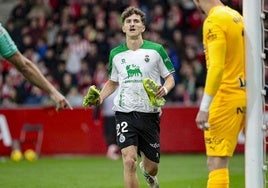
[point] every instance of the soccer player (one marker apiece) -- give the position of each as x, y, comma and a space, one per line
10, 52
137, 120
222, 110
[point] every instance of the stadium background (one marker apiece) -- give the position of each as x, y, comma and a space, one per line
70, 42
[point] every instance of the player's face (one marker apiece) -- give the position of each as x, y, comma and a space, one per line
133, 26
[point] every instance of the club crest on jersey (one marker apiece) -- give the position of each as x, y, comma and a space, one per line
146, 59
133, 70
122, 138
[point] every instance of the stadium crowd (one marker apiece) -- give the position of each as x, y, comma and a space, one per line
70, 40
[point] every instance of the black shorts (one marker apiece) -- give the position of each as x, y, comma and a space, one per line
141, 130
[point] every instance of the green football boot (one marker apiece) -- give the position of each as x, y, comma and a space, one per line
91, 97
151, 89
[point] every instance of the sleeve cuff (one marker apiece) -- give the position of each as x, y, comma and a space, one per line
205, 103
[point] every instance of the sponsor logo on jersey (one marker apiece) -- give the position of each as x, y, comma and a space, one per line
123, 61
211, 35
241, 110
133, 70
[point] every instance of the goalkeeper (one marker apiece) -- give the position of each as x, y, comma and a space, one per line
136, 68
222, 110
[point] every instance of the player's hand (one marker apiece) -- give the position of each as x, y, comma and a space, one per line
60, 100
161, 92
63, 104
202, 120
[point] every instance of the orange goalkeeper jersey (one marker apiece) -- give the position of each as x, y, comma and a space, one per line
224, 49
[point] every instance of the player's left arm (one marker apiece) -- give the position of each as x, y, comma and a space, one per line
167, 70
166, 87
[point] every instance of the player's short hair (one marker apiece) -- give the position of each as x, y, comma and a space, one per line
133, 10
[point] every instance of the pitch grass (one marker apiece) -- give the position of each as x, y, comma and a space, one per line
175, 171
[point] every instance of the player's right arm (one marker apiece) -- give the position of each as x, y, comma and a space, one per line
215, 50
108, 88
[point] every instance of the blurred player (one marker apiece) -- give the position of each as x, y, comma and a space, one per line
136, 118
10, 52
222, 110
109, 124
110, 127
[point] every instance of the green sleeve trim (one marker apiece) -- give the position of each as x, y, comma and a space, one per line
7, 45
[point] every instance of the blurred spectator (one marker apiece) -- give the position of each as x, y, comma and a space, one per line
114, 39
39, 12
102, 46
188, 79
100, 15
100, 74
42, 67
93, 56
15, 33
174, 20
84, 78
20, 12
35, 30
77, 49
89, 33
10, 100
27, 42
52, 30
41, 47
36, 97
59, 45
158, 19
50, 59
67, 83
74, 97
180, 95
9, 93
31, 54
59, 71
114, 22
